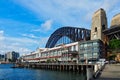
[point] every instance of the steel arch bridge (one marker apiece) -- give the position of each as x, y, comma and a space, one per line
73, 33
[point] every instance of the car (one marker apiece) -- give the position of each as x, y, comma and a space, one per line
112, 61
106, 62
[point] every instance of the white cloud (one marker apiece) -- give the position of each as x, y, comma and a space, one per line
43, 41
46, 26
107, 5
62, 11
26, 43
1, 35
30, 35
67, 12
1, 32
22, 45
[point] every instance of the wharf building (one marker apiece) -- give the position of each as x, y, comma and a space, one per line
73, 44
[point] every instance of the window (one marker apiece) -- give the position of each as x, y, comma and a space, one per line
89, 55
81, 46
85, 55
81, 56
59, 52
85, 45
95, 55
103, 27
74, 47
55, 53
69, 48
89, 45
95, 43
95, 29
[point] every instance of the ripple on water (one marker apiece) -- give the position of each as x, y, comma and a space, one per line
7, 73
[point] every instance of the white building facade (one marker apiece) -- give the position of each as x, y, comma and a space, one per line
62, 53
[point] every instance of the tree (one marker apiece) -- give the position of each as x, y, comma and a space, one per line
9, 60
48, 60
114, 47
114, 44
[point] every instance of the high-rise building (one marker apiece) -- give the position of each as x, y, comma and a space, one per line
11, 56
1, 57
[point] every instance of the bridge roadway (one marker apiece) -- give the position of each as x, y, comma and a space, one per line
110, 72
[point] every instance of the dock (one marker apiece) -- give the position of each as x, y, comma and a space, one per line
91, 70
57, 66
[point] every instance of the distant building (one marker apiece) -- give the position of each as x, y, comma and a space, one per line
1, 57
11, 56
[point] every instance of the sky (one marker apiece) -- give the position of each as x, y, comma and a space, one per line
26, 25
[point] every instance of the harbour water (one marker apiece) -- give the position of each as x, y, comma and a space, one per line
7, 73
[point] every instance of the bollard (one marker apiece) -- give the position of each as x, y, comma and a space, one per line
89, 73
96, 68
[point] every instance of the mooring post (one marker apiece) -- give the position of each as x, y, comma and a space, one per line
89, 73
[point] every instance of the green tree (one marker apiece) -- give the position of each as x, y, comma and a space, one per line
114, 47
114, 44
48, 60
10, 60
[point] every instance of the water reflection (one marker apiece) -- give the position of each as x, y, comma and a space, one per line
7, 73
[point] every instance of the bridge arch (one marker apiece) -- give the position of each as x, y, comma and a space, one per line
73, 33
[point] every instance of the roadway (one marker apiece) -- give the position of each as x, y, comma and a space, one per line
110, 72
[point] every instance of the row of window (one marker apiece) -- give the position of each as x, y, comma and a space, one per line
93, 48
89, 44
90, 50
30, 56
90, 55
65, 58
52, 53
59, 52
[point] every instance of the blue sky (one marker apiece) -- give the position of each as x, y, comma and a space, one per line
27, 24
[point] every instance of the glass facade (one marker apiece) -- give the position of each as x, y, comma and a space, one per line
91, 50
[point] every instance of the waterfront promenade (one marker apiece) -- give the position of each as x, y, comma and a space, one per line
110, 72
